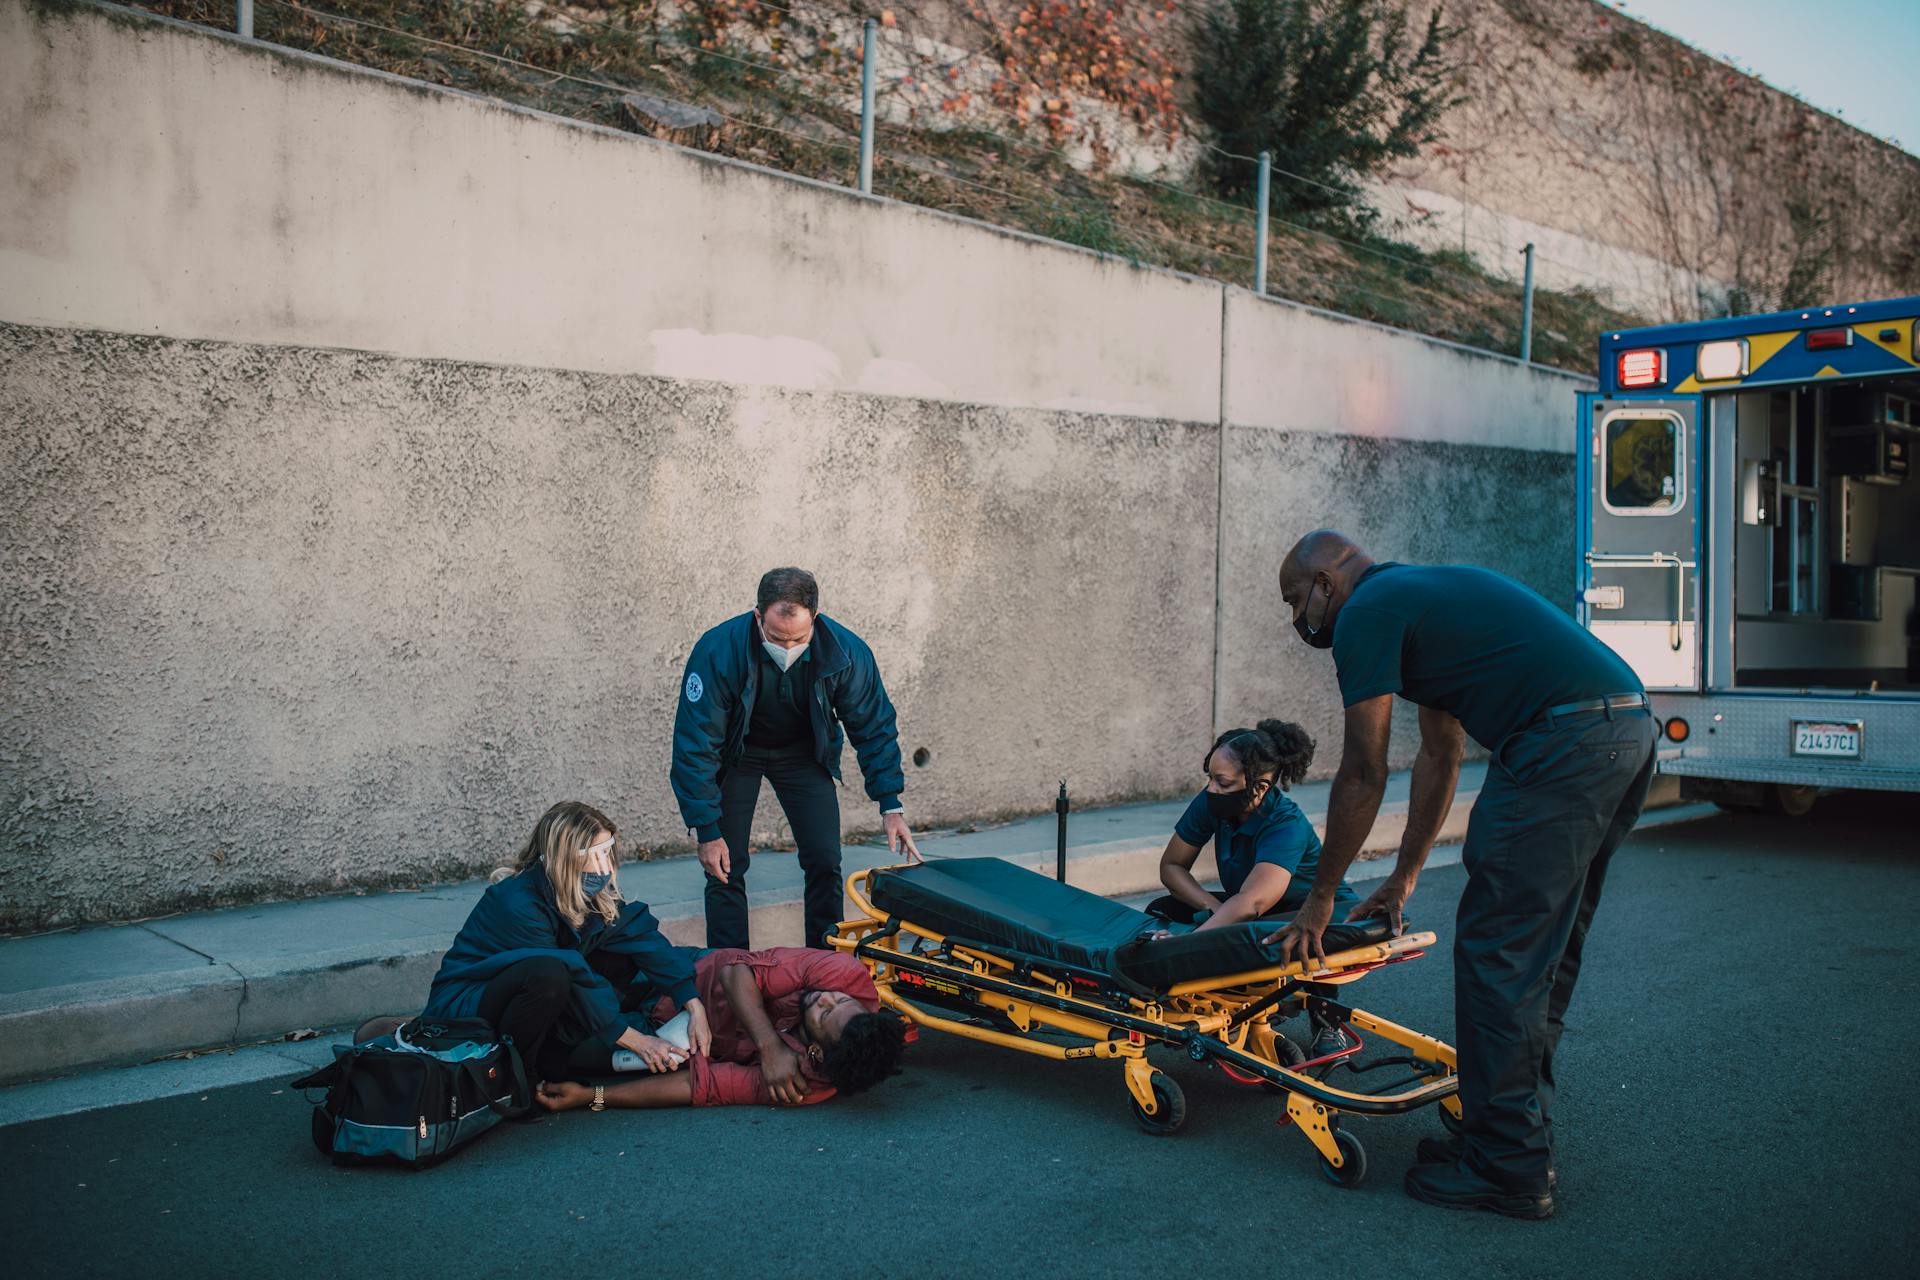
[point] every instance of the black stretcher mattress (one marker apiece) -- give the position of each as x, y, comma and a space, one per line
1010, 909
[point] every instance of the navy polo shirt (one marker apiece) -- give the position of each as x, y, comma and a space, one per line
1470, 642
1277, 833
782, 711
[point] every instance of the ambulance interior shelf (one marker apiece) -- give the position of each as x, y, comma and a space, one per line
1827, 583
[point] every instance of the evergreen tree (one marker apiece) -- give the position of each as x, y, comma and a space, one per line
1335, 89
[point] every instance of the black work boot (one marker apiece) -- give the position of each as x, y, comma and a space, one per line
1448, 1150
1453, 1187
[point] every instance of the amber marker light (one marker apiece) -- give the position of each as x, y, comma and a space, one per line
1677, 730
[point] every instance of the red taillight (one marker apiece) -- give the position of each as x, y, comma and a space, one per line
1642, 368
1828, 339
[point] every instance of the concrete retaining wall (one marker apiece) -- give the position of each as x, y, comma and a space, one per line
284, 618
168, 179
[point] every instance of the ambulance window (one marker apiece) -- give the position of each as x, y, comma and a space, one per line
1642, 456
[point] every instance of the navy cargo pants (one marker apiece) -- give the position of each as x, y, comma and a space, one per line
1558, 800
811, 801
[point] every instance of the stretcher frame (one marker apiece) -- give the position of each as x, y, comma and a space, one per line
1215, 1021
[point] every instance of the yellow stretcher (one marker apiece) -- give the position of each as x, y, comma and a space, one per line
985, 949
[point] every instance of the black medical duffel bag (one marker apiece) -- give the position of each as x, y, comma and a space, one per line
418, 1095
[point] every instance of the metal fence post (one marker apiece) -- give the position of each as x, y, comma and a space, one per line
1060, 807
243, 18
1526, 309
866, 109
1260, 248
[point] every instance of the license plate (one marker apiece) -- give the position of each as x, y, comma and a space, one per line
1826, 738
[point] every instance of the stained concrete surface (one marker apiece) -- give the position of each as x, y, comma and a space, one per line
1416, 501
1711, 1121
285, 621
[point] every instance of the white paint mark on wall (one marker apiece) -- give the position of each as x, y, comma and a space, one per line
887, 377
1092, 404
745, 358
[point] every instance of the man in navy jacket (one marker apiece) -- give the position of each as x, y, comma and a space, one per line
765, 696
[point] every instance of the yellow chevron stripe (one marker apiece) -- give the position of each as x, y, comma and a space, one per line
1763, 347
1901, 346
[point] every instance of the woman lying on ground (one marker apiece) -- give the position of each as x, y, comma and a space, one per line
553, 958
1264, 846
791, 1025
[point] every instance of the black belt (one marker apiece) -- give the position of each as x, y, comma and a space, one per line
1609, 704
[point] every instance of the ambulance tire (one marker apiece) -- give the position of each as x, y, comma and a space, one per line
1791, 801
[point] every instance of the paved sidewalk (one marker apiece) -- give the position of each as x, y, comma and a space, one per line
131, 993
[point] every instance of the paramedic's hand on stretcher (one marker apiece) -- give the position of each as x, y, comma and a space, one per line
1301, 939
714, 857
899, 837
1389, 900
780, 1068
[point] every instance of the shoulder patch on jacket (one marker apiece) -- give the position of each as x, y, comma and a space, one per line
694, 686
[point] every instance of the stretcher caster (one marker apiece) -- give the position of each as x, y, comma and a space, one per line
1170, 1106
1452, 1123
1353, 1170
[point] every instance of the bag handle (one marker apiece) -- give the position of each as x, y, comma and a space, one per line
522, 1088
516, 1081
324, 1078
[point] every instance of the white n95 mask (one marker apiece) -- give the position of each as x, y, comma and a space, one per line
783, 658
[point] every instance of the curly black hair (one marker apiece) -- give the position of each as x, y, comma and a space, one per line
867, 1052
1275, 748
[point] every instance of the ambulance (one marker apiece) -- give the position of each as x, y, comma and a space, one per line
1749, 541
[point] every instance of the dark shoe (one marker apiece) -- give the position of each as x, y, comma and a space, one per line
1286, 1052
1451, 1187
1448, 1150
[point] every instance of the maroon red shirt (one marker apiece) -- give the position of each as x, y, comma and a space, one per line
731, 1072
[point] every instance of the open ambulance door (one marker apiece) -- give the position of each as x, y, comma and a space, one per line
1640, 520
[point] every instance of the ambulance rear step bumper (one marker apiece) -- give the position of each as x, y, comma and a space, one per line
1748, 737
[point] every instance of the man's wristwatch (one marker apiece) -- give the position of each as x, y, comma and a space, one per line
599, 1102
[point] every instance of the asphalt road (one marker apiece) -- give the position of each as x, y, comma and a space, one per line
1736, 1101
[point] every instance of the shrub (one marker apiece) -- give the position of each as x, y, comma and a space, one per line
1335, 89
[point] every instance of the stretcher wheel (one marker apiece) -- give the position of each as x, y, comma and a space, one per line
1451, 1123
1354, 1171
1171, 1104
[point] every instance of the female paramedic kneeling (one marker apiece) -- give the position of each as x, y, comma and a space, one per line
791, 1025
1263, 844
552, 958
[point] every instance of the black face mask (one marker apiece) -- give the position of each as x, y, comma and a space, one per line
1320, 637
1227, 806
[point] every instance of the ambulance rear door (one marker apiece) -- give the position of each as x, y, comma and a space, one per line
1640, 519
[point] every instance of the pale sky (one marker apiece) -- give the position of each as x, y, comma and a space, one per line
1859, 59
